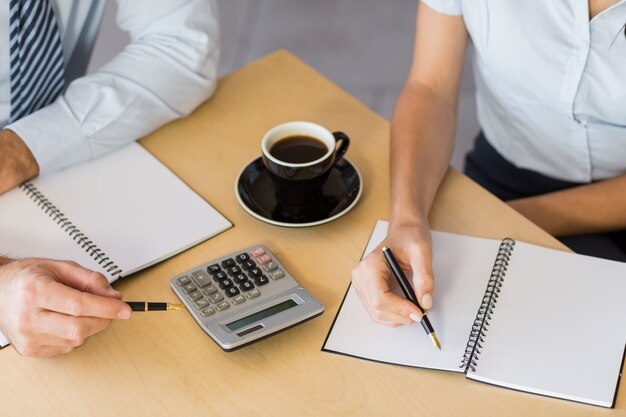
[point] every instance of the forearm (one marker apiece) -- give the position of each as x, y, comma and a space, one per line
593, 208
17, 163
421, 144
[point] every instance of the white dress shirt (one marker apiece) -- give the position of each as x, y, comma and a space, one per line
169, 68
550, 83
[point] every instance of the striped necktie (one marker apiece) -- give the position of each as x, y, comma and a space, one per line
37, 71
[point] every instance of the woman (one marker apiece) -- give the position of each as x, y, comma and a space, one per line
551, 100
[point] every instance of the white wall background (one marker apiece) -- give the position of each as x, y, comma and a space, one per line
363, 45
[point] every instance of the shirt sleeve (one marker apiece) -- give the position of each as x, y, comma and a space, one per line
167, 70
451, 7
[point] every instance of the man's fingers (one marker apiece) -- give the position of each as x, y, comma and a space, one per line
60, 298
74, 329
84, 279
43, 351
48, 340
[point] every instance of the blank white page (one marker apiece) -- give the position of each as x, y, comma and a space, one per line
132, 207
27, 232
462, 266
559, 326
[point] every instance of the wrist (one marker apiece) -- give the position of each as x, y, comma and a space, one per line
17, 163
408, 220
407, 215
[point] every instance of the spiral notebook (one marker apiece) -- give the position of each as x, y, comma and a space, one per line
117, 215
507, 313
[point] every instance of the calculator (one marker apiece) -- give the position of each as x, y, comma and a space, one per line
243, 297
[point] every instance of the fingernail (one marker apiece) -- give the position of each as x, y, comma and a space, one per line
427, 301
415, 317
113, 291
124, 314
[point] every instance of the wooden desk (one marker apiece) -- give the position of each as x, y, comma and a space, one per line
163, 364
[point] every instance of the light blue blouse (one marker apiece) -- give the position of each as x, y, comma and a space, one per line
551, 85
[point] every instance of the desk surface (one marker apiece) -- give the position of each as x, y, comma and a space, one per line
163, 364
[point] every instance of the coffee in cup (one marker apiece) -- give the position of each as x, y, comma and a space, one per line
298, 149
299, 157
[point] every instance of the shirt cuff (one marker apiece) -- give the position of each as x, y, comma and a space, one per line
450, 7
53, 136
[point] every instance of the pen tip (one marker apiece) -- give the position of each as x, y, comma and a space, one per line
176, 306
433, 336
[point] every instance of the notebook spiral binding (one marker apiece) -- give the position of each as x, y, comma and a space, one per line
490, 298
74, 232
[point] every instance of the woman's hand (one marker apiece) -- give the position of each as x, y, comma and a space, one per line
50, 307
422, 139
373, 280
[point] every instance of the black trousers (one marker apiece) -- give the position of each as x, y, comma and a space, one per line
492, 171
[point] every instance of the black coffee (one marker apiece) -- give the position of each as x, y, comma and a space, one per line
298, 149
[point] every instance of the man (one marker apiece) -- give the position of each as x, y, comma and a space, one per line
52, 116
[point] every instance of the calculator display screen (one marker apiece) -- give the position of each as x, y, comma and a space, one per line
260, 315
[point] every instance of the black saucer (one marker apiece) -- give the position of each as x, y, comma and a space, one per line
257, 195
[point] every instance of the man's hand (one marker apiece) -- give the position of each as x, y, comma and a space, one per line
17, 163
50, 307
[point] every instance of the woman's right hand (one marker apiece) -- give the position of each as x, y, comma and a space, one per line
422, 139
373, 280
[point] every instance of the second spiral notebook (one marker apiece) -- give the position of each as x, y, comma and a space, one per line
116, 214
507, 313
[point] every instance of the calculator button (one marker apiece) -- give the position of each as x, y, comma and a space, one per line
227, 263
253, 294
189, 288
269, 267
255, 272
234, 270
219, 276
201, 303
278, 274
222, 306
257, 252
248, 265
201, 278
214, 269
231, 292
184, 280
194, 296
263, 259
261, 280
225, 283
246, 286
239, 278
239, 299
242, 257
206, 313
216, 298
210, 290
